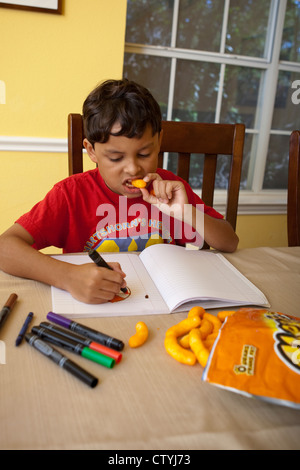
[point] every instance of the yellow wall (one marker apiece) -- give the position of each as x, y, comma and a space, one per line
49, 63
262, 230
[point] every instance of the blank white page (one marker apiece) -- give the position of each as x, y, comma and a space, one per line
187, 275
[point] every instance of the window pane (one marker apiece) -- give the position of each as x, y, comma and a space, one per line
290, 48
240, 95
195, 98
247, 27
286, 114
276, 173
151, 72
149, 22
200, 24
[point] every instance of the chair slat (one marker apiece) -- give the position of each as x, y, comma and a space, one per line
209, 175
183, 165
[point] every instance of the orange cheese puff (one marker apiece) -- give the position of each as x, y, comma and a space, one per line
206, 328
197, 346
185, 341
212, 336
140, 336
177, 352
209, 342
196, 311
224, 314
139, 183
183, 327
214, 320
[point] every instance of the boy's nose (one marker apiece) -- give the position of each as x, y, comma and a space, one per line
132, 166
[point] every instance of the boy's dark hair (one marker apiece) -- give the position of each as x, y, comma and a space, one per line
122, 101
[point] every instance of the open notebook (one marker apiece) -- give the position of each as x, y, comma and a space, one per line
166, 279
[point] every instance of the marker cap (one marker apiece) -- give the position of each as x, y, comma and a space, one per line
59, 319
98, 357
116, 355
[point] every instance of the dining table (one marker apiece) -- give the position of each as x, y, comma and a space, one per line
148, 401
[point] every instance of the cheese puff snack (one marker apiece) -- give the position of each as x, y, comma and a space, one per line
197, 332
257, 354
171, 343
140, 336
139, 183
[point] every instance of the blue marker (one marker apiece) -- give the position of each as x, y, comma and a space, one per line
24, 329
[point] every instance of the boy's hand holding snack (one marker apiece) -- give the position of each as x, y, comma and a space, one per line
168, 196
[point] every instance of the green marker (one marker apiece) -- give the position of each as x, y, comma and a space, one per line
74, 347
96, 356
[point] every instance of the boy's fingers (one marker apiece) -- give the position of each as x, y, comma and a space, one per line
152, 177
117, 267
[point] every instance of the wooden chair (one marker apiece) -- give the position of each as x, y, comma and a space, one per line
293, 205
186, 138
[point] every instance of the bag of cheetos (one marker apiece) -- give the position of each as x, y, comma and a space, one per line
257, 353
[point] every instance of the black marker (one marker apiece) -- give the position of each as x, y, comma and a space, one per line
101, 338
61, 360
73, 346
99, 261
116, 355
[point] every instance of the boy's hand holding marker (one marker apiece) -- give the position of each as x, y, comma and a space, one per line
95, 285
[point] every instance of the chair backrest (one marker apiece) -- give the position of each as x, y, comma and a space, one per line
186, 138
293, 206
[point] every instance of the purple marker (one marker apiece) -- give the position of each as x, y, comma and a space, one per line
101, 338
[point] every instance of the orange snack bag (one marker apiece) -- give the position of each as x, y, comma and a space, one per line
257, 354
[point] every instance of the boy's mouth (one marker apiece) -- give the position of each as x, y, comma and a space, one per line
129, 185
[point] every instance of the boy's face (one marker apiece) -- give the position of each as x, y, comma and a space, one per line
121, 160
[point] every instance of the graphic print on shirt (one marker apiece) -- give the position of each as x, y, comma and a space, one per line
133, 226
135, 235
129, 229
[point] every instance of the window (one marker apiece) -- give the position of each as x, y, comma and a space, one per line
225, 61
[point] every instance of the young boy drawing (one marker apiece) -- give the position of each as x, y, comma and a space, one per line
101, 208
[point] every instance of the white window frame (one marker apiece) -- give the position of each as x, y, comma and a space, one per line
255, 200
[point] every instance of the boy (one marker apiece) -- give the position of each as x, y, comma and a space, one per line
102, 209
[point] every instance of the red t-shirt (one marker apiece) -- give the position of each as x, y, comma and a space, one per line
81, 212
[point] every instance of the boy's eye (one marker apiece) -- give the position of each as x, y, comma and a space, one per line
116, 159
144, 155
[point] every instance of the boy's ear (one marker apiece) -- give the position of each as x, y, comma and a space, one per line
90, 150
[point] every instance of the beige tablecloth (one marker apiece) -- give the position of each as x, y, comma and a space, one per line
148, 401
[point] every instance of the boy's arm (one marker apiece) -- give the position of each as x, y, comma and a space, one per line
219, 234
87, 282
